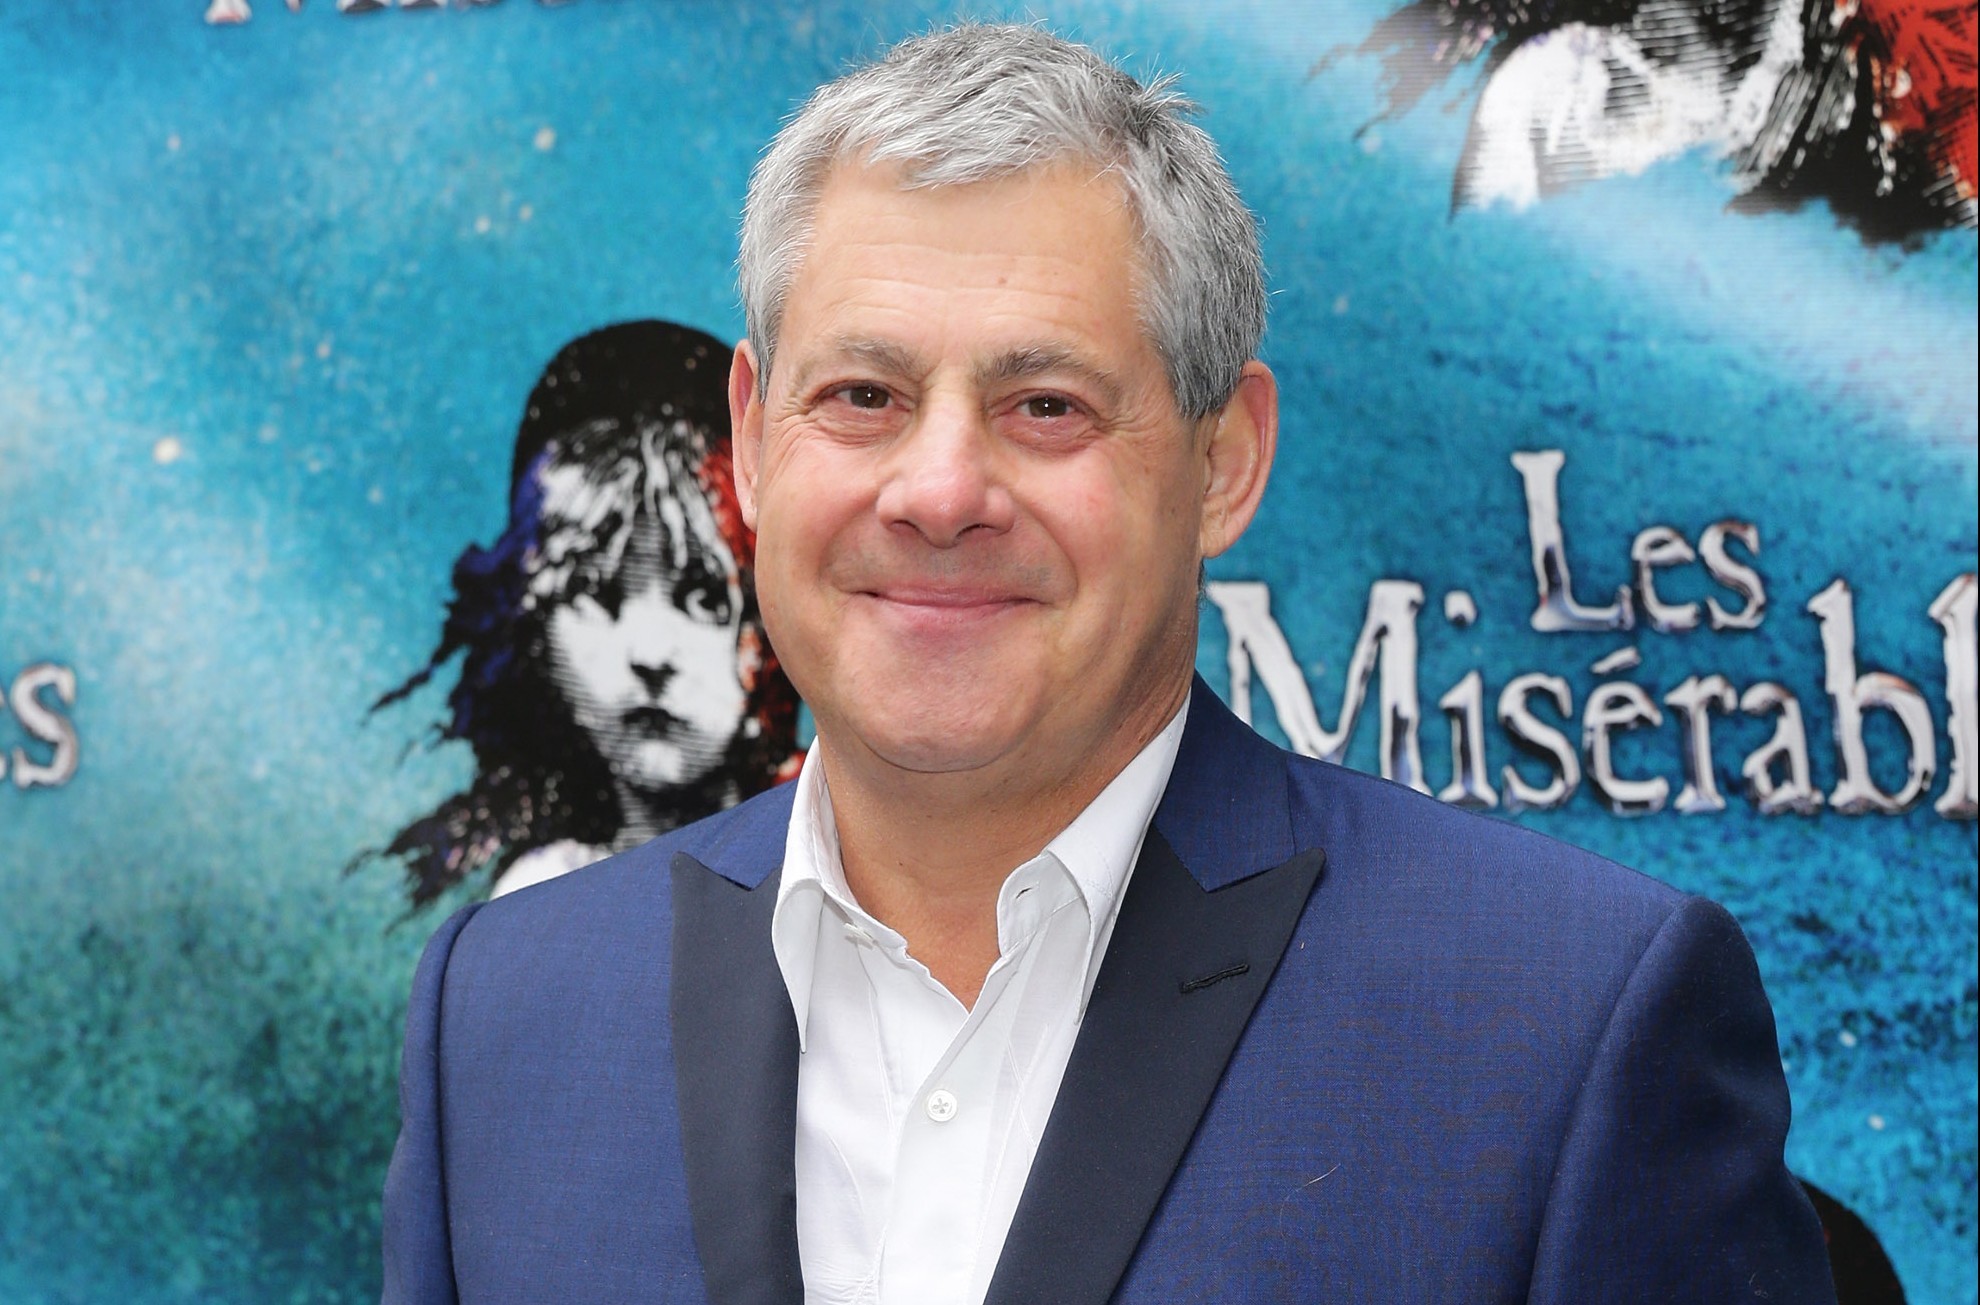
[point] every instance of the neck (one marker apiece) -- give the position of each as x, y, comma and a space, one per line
649, 813
926, 854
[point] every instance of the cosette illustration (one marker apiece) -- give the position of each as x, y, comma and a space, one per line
615, 680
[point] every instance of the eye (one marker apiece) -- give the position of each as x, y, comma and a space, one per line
872, 398
608, 595
1047, 407
704, 598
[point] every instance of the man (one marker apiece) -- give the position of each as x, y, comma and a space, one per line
1048, 980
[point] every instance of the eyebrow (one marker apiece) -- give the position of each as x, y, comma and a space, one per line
890, 359
1041, 360
882, 356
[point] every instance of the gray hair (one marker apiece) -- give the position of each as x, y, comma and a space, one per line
980, 102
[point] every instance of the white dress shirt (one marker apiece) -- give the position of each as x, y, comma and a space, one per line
917, 1120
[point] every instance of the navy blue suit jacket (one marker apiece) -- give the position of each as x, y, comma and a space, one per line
1346, 1045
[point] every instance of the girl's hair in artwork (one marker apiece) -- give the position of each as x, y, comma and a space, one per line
1872, 110
628, 423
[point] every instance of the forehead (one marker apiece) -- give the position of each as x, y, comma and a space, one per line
628, 497
1044, 259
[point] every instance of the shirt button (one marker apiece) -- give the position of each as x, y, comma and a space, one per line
942, 1105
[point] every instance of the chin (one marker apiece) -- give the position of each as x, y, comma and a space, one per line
941, 741
934, 756
657, 767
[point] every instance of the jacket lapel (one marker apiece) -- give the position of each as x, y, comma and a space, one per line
735, 1065
1206, 917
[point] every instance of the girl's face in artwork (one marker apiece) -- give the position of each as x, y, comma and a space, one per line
646, 650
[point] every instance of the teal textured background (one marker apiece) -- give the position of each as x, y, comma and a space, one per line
325, 255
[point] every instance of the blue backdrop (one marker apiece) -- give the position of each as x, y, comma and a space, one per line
271, 294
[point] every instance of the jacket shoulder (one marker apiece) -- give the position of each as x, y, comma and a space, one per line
1381, 836
618, 911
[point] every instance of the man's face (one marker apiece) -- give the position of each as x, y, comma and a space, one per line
980, 516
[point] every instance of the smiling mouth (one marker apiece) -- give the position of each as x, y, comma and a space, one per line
944, 614
956, 600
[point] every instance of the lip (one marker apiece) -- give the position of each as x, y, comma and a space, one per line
936, 609
944, 598
656, 721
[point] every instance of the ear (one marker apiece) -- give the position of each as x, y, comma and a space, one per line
1238, 458
746, 427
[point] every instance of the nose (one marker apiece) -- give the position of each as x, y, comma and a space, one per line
651, 653
653, 673
943, 479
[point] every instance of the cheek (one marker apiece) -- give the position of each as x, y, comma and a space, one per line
589, 664
710, 692
812, 493
712, 662
810, 512
1118, 532
584, 652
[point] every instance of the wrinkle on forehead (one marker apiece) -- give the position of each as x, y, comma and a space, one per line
859, 178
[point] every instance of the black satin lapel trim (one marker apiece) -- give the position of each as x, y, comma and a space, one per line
735, 1070
1182, 975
